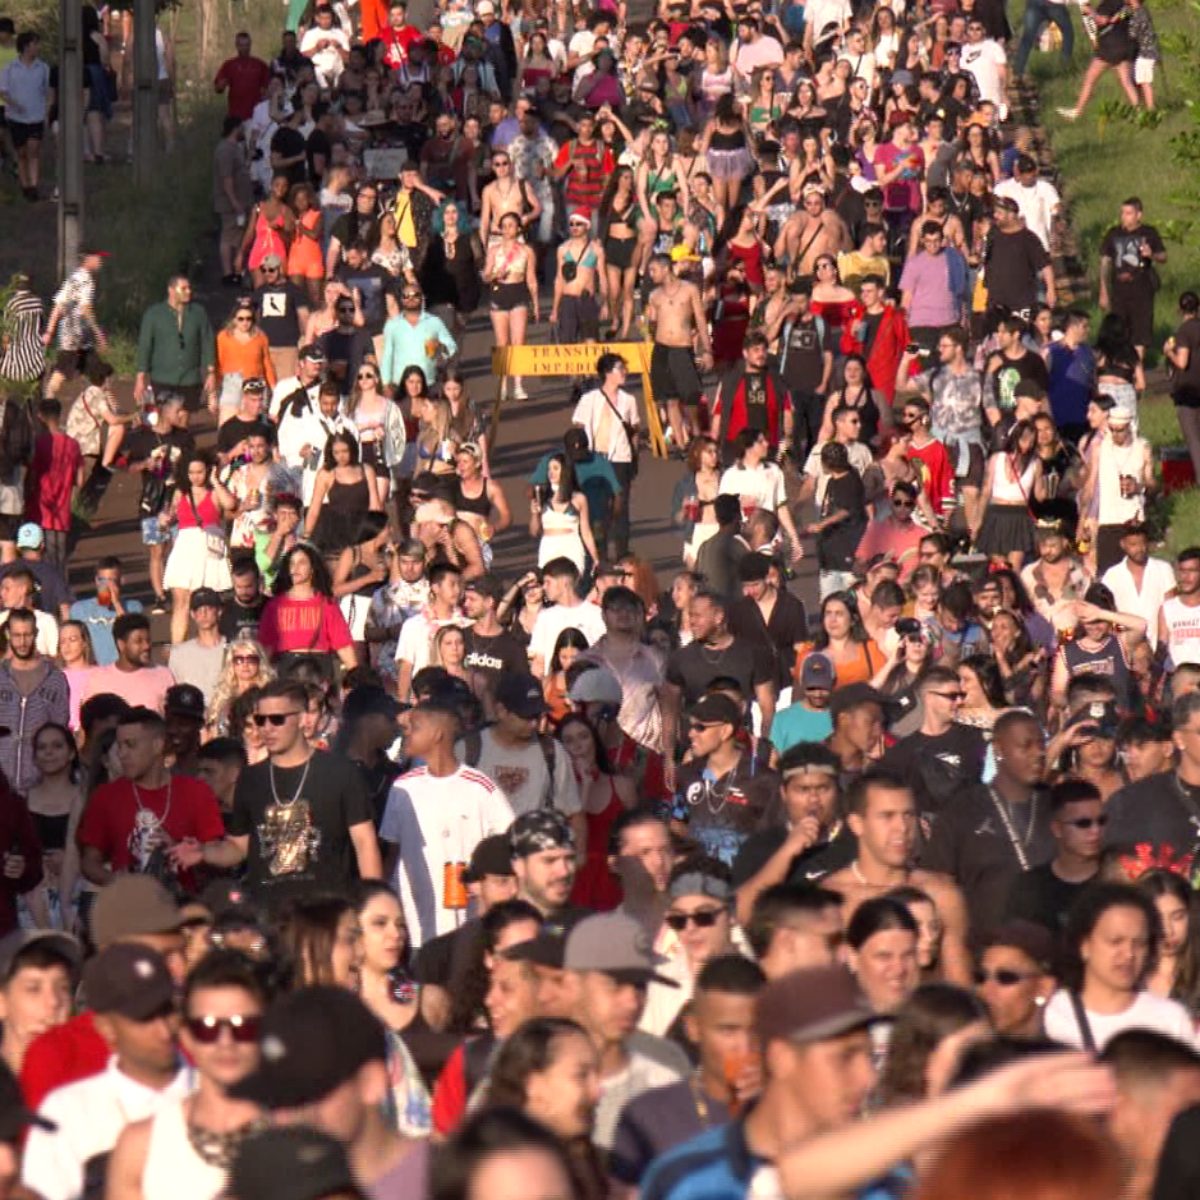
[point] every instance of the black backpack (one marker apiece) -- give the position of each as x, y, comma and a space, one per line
472, 742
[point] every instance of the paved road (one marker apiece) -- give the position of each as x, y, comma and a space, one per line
527, 431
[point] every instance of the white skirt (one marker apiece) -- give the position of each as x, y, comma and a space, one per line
199, 558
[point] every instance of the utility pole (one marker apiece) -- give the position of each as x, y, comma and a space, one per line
70, 138
145, 92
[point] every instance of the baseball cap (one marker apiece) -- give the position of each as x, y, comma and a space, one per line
717, 709
312, 352
811, 1005
492, 856
1035, 941
129, 980
293, 1162
11, 945
30, 537
596, 686
487, 586
614, 944
699, 879
817, 672
313, 1040
224, 897
272, 260
15, 1118
133, 905
854, 695
185, 700
538, 830
204, 597
521, 695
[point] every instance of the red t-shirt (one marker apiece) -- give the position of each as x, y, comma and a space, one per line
115, 824
398, 42
937, 475
247, 79
51, 479
316, 624
62, 1055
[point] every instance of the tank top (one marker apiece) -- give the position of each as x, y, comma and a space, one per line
174, 1171
1183, 630
1108, 661
803, 359
349, 497
481, 505
206, 510
1005, 489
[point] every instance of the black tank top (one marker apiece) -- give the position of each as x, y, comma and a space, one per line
481, 505
1108, 661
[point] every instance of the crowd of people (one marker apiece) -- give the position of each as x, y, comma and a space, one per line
397, 874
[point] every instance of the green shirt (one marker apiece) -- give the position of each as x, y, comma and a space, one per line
172, 351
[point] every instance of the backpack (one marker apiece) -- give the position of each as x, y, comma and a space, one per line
473, 749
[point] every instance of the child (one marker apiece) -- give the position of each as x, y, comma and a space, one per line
55, 474
1141, 29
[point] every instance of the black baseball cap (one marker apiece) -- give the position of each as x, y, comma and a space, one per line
521, 695
492, 856
185, 700
293, 1162
717, 709
486, 585
313, 1040
204, 596
130, 980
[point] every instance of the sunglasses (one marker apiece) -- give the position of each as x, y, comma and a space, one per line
1005, 977
207, 1030
1088, 822
412, 295
896, 503
955, 696
246, 319
368, 375
705, 918
276, 719
242, 659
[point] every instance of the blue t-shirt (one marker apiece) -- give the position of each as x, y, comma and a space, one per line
99, 621
1072, 378
796, 724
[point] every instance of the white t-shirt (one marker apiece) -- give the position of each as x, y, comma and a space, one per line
438, 820
521, 775
415, 644
640, 1075
328, 62
984, 60
762, 484
585, 617
606, 433
1146, 1012
1037, 204
582, 43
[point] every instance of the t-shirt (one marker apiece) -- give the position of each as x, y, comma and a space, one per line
654, 1122
585, 617
1014, 262
190, 662
278, 316
315, 625
1124, 247
1006, 373
237, 429
437, 821
694, 666
721, 812
162, 455
487, 658
984, 60
287, 143
247, 79
1185, 387
1039, 895
146, 686
123, 820
758, 487
836, 544
298, 820
809, 866
616, 1091
238, 618
937, 768
796, 724
521, 773
1146, 1012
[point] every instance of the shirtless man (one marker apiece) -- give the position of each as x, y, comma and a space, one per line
882, 814
506, 194
777, 306
578, 279
812, 231
1057, 575
937, 210
675, 313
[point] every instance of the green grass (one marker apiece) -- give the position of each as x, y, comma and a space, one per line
1157, 422
1106, 155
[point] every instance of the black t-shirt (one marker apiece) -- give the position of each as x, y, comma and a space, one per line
1005, 373
371, 281
163, 454
1014, 263
278, 307
787, 628
809, 866
1124, 246
298, 821
1185, 384
1040, 895
287, 143
237, 429
489, 657
238, 618
354, 227
693, 667
938, 768
721, 813
318, 143
837, 544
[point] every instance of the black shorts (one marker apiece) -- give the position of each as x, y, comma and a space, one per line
506, 297
71, 362
618, 251
673, 374
22, 133
578, 319
192, 394
9, 527
1136, 304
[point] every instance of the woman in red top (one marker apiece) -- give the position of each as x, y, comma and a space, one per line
303, 617
746, 247
832, 301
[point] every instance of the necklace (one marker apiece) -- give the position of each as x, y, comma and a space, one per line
218, 1149
699, 1099
1020, 845
144, 808
299, 787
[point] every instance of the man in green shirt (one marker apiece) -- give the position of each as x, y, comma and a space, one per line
176, 348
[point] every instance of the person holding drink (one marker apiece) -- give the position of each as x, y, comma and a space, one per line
758, 483
511, 275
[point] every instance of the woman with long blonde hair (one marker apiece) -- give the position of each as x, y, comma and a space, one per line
435, 445
246, 665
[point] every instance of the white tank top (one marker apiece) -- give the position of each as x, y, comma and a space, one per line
1006, 489
1183, 631
174, 1171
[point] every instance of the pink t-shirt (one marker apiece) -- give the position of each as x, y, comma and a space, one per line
146, 686
904, 192
315, 624
77, 681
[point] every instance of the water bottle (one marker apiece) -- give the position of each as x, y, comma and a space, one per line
149, 411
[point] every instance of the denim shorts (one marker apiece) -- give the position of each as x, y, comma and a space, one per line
153, 534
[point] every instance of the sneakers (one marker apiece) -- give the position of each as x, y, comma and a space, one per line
161, 604
1069, 114
518, 389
